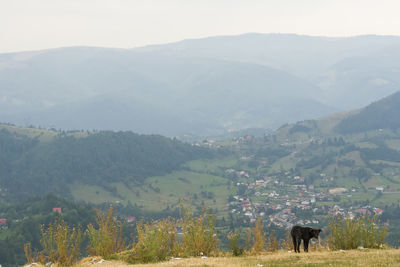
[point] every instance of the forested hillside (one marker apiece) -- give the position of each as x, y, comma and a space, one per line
383, 114
25, 218
29, 166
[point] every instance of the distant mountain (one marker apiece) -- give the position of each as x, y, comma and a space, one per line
199, 87
351, 72
361, 79
149, 92
301, 55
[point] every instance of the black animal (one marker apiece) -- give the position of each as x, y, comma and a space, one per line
306, 233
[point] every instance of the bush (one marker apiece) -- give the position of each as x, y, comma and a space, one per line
259, 237
234, 244
35, 256
61, 245
272, 242
199, 237
346, 233
156, 241
107, 239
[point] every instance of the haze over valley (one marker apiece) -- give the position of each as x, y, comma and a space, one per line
198, 87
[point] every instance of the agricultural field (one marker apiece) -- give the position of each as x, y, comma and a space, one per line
162, 192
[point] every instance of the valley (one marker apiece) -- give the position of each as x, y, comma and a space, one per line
200, 87
302, 173
345, 164
199, 133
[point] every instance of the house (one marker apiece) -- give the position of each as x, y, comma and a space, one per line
248, 213
378, 211
246, 205
288, 211
57, 209
242, 173
3, 224
229, 171
130, 219
259, 182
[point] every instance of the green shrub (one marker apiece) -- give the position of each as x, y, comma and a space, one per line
107, 239
234, 244
346, 233
199, 237
272, 242
61, 245
156, 241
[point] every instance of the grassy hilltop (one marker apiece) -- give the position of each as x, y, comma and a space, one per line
386, 257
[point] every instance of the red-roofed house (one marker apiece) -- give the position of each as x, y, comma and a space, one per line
57, 209
130, 219
3, 223
378, 211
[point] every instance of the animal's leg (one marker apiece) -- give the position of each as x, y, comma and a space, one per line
306, 241
298, 244
294, 243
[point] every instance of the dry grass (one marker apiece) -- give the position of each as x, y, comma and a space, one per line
367, 257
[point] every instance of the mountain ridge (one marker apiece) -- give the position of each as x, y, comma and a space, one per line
171, 89
204, 87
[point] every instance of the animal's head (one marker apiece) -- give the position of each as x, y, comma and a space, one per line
315, 232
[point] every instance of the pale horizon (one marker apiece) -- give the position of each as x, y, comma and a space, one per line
27, 25
205, 37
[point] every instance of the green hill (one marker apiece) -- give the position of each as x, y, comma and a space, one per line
383, 114
378, 116
358, 150
31, 166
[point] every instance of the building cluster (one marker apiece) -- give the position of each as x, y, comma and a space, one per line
288, 202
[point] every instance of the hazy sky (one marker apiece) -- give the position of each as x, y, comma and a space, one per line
38, 24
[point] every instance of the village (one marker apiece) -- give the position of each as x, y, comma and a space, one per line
288, 202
